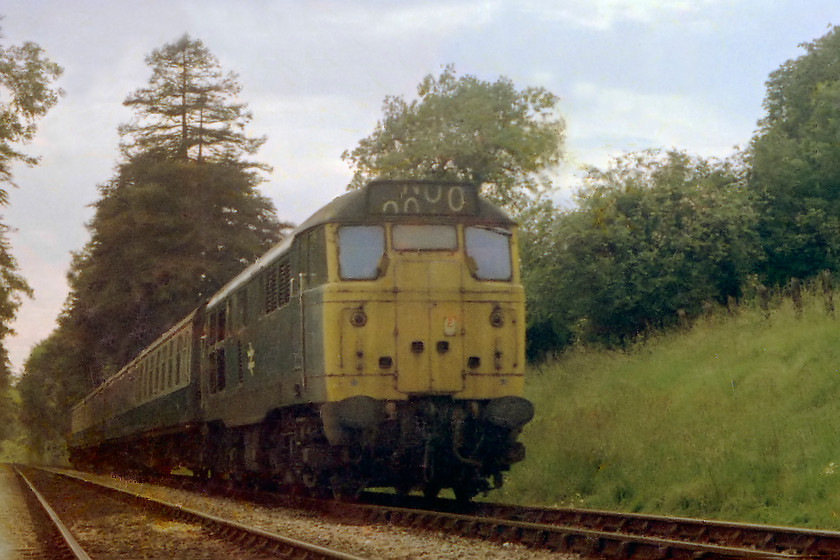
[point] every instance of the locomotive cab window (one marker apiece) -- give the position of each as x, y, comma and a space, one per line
360, 248
424, 238
489, 253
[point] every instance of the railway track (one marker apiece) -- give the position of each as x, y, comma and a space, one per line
787, 541
58, 541
587, 533
605, 534
76, 505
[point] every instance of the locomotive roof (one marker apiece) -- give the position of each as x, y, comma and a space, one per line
358, 206
365, 204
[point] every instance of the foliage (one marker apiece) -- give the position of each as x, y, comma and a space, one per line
180, 218
733, 419
542, 258
26, 94
188, 109
466, 129
13, 287
654, 236
795, 163
48, 390
166, 234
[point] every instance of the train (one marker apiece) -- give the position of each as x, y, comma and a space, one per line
381, 344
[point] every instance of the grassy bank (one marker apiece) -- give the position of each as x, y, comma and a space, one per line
737, 418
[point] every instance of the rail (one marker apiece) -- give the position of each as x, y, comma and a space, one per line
230, 530
602, 533
68, 541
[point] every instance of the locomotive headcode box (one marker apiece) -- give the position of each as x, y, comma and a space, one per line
435, 199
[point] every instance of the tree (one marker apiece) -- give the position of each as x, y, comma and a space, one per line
795, 163
165, 235
26, 95
466, 129
188, 109
653, 234
48, 391
180, 218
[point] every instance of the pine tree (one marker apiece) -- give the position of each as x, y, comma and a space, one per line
180, 218
189, 108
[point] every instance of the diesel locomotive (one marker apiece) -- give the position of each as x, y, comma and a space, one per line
380, 344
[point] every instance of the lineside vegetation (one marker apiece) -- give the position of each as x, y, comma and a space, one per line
735, 418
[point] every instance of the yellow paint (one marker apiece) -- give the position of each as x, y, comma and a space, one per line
427, 298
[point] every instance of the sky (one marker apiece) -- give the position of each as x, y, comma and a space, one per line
630, 74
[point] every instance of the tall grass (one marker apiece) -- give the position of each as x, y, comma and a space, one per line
736, 418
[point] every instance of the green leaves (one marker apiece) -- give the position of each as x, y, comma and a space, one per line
180, 218
795, 159
653, 234
189, 110
466, 129
166, 234
26, 93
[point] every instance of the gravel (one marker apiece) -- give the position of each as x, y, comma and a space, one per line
18, 538
383, 542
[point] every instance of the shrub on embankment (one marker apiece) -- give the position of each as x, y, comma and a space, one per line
736, 418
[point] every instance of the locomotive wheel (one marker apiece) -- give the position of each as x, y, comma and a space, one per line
345, 485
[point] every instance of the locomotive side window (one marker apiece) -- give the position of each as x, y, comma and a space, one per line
489, 251
360, 249
424, 238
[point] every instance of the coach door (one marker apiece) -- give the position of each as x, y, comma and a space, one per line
428, 313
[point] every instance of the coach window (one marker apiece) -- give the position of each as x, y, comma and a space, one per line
155, 373
489, 252
170, 355
145, 372
360, 248
179, 341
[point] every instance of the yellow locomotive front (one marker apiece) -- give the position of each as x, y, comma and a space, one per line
423, 339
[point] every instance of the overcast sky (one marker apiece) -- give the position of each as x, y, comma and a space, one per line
631, 75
